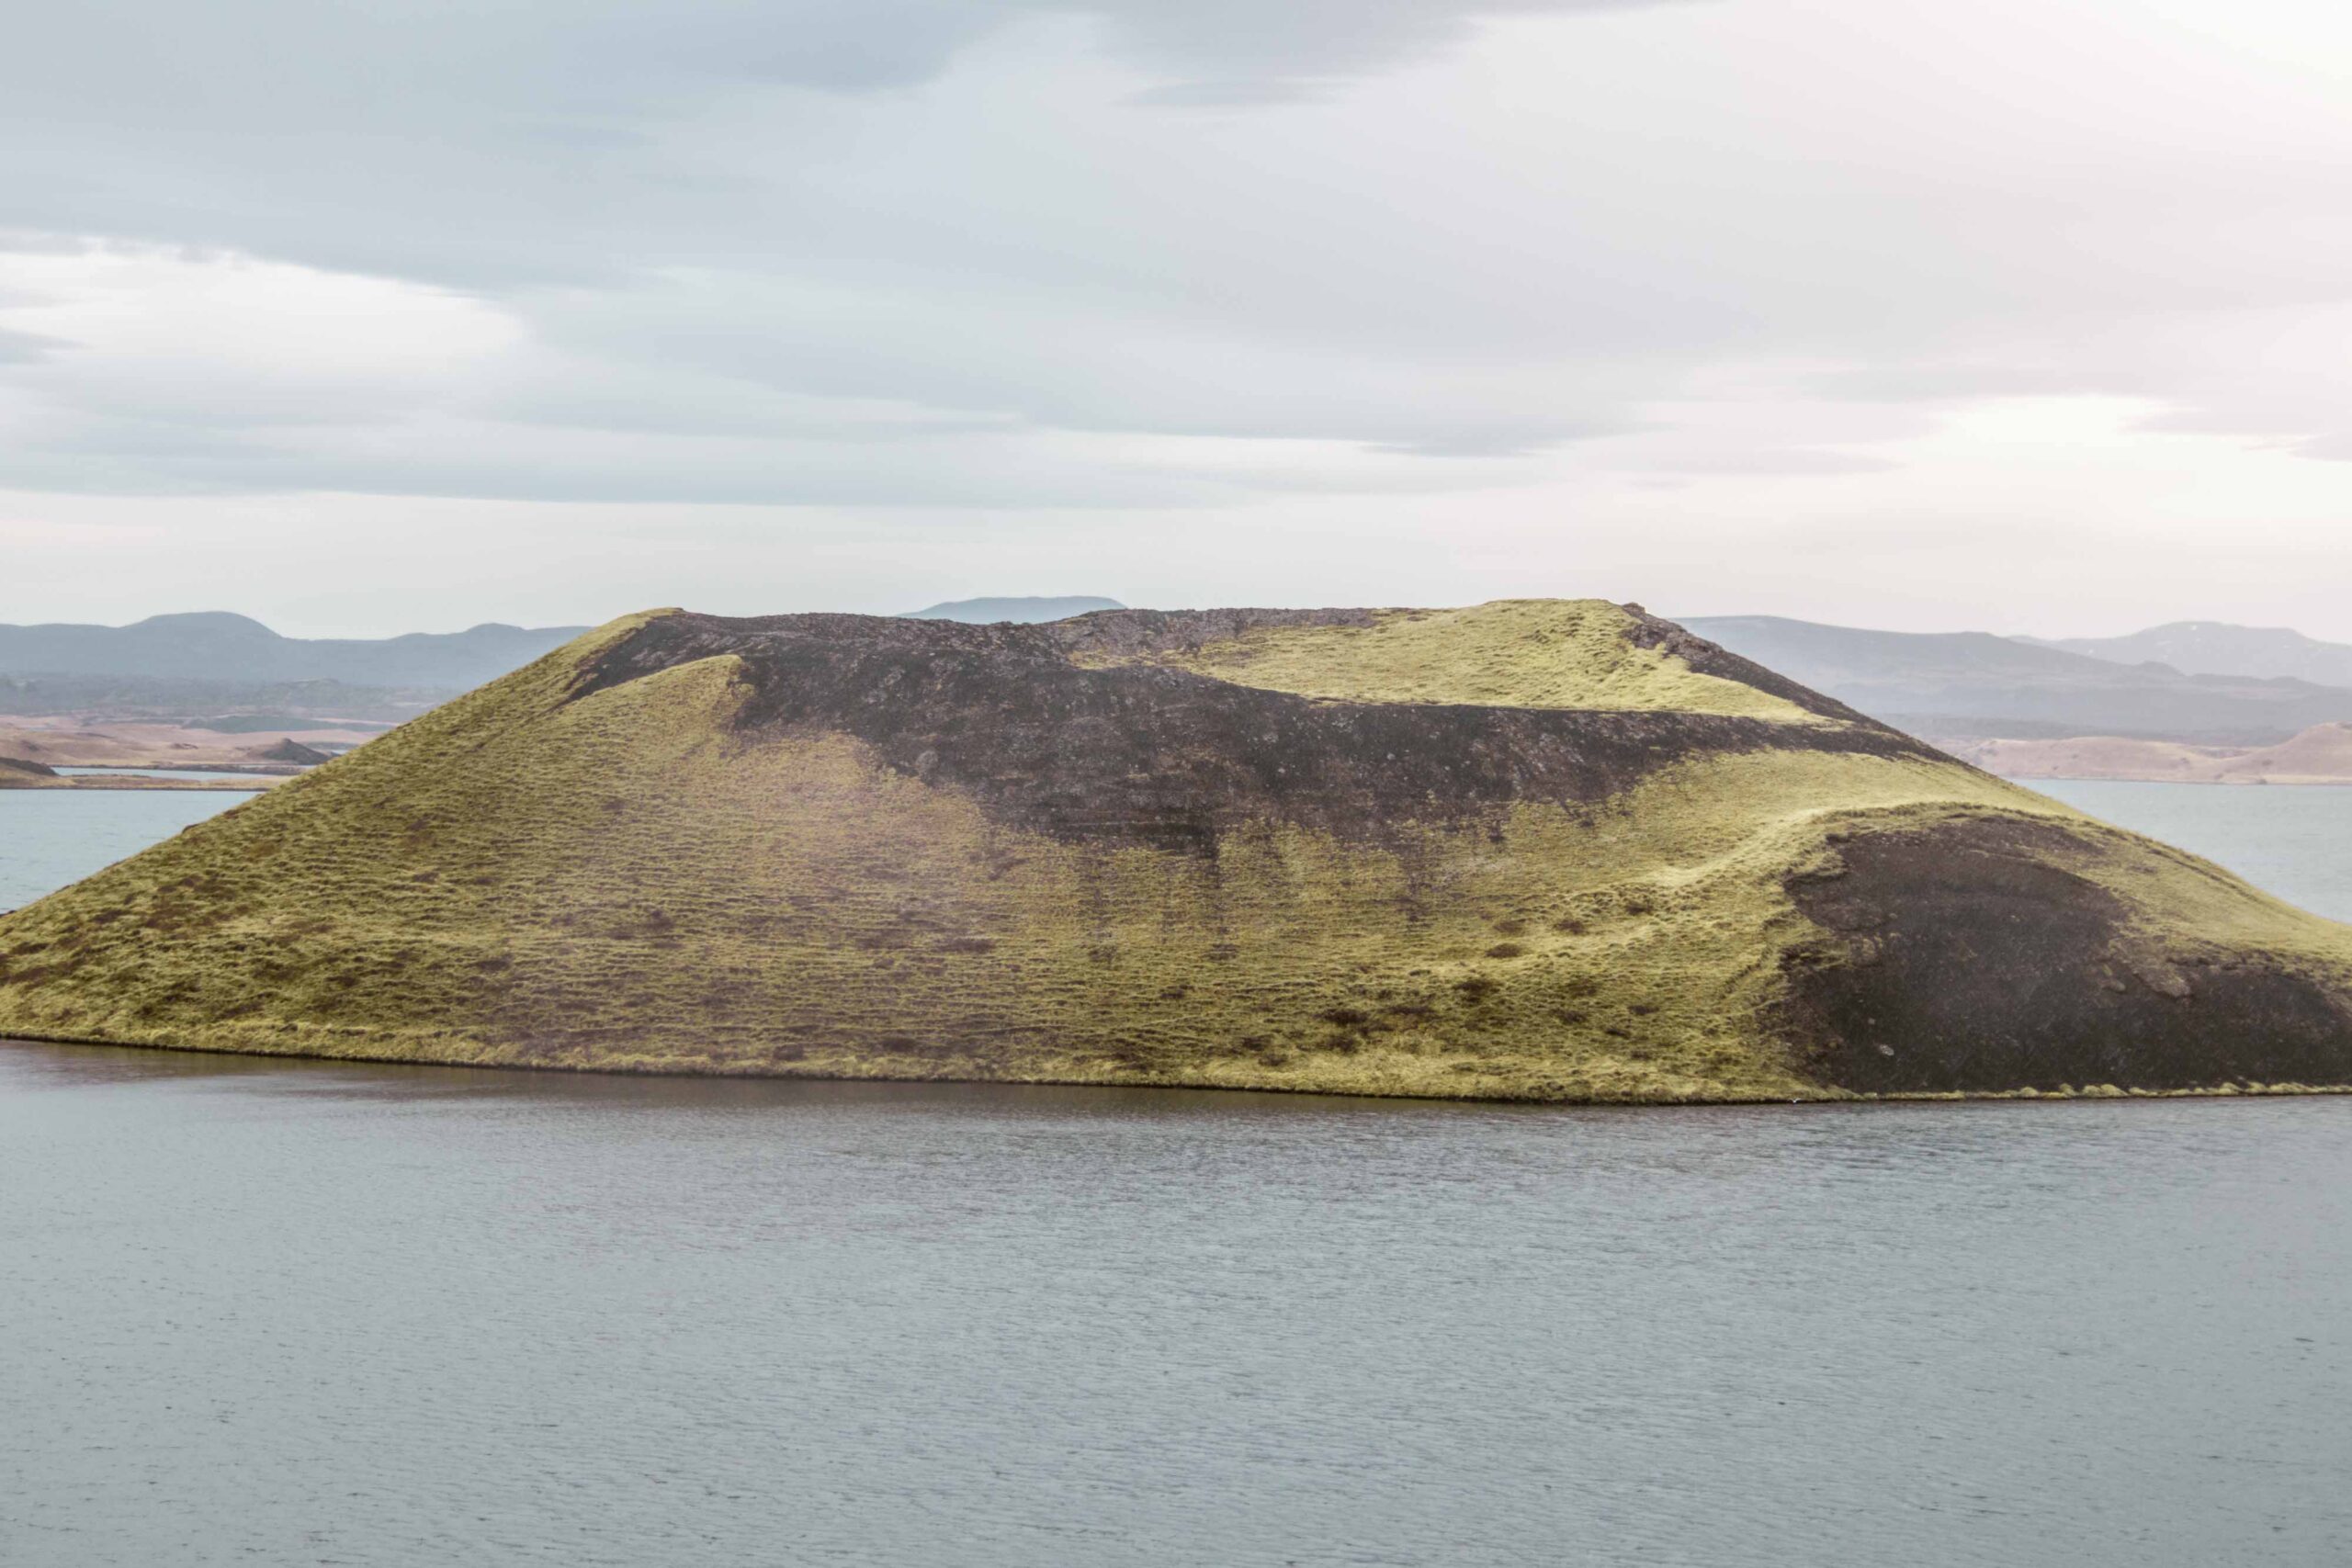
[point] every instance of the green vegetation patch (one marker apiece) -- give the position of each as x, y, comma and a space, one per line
1551, 653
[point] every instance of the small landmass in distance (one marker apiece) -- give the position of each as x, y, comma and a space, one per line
1025, 610
2043, 710
215, 691
2320, 755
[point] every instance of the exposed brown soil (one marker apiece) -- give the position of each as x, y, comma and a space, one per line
122, 745
1968, 959
1144, 755
2320, 755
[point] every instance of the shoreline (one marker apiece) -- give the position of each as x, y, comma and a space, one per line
2316, 757
2316, 782
10, 779
779, 1073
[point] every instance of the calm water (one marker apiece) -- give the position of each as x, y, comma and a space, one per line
168, 772
293, 1314
2295, 841
51, 837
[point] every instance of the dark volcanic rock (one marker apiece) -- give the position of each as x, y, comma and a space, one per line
1974, 961
1138, 753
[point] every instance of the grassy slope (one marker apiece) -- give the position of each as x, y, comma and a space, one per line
1569, 653
619, 883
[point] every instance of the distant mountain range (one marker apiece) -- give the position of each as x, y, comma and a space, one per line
1974, 685
227, 706
2197, 682
2216, 648
214, 645
1029, 610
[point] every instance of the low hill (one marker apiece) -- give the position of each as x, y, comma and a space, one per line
2320, 755
1023, 610
218, 647
1534, 850
217, 705
1974, 685
2323, 753
2217, 648
139, 746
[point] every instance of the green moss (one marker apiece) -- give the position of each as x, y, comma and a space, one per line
1565, 653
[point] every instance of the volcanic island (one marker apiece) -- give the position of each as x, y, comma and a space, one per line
1542, 849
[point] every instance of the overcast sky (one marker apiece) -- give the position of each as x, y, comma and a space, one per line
2029, 315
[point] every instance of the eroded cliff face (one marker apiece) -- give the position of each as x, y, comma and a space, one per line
1538, 848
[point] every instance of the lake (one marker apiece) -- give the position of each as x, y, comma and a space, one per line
2294, 840
169, 772
53, 836
288, 1313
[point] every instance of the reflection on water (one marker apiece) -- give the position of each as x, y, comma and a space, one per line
281, 1312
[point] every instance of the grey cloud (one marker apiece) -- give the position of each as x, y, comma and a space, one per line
1230, 52
1498, 436
26, 348
541, 68
868, 245
1935, 383
819, 228
493, 462
1795, 460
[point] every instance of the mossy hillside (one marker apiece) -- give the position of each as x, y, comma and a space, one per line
628, 880
1543, 653
367, 889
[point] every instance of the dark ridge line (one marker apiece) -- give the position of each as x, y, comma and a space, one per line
1714, 658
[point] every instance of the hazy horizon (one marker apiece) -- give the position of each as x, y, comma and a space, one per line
2023, 319
469, 627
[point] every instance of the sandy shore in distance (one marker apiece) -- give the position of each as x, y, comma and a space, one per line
2320, 755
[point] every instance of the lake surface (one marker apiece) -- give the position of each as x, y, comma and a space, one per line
287, 1312
173, 773
315, 1312
2291, 840
53, 836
